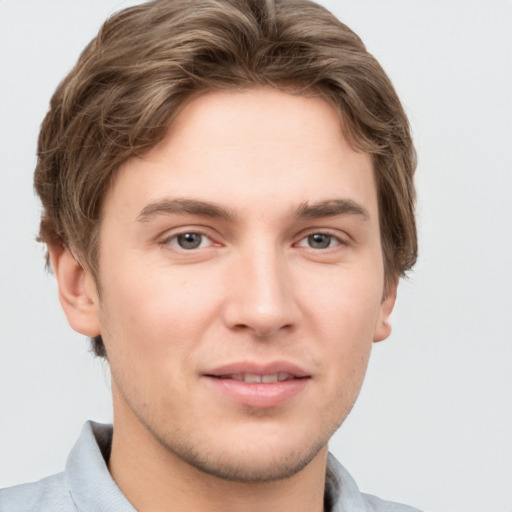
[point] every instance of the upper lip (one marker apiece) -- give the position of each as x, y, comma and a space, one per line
249, 367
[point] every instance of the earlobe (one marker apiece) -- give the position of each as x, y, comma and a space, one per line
77, 292
383, 327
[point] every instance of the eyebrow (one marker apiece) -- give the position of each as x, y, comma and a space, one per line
331, 208
182, 205
328, 208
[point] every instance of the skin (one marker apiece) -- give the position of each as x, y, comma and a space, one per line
257, 289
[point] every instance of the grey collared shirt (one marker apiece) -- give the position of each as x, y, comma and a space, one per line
86, 485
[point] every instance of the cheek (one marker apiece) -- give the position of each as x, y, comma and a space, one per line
343, 312
343, 304
156, 310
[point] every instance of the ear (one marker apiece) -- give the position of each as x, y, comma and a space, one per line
383, 326
78, 293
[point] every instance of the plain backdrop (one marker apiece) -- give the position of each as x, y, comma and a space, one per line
433, 424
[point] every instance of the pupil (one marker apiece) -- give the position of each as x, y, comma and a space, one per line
189, 240
319, 241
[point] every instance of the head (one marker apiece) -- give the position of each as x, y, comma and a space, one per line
149, 60
158, 71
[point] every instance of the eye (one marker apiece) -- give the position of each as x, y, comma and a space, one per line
189, 241
319, 241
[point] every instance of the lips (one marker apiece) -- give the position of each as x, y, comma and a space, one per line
253, 377
244, 368
258, 386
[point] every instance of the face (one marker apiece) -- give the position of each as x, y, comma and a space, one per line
241, 283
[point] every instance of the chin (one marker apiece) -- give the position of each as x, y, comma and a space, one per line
247, 467
250, 456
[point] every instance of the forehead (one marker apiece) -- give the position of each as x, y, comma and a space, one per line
249, 149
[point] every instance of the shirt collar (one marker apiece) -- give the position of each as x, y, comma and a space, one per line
91, 486
341, 491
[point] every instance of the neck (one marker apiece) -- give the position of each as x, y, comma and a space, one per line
154, 479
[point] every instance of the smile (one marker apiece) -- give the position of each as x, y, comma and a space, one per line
258, 386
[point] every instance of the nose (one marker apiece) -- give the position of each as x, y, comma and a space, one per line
261, 301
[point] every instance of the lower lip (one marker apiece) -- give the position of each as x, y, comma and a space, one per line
258, 395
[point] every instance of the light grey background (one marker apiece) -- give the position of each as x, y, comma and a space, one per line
433, 424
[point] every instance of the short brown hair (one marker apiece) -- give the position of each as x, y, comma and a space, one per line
146, 61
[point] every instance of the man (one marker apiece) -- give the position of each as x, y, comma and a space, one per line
228, 207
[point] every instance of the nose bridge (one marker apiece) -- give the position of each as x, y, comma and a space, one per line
262, 300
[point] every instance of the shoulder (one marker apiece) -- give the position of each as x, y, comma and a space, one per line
343, 494
377, 505
50, 494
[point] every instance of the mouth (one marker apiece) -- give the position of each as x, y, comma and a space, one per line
252, 378
258, 386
